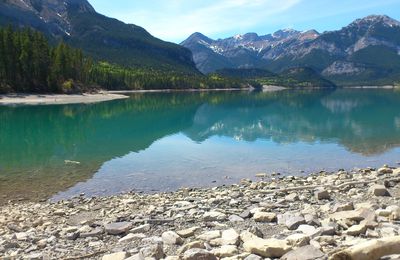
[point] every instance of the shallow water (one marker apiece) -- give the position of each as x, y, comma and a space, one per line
164, 141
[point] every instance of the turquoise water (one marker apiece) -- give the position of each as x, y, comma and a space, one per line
164, 141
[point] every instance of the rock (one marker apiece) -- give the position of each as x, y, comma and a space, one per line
214, 216
292, 197
94, 233
308, 230
21, 236
267, 247
379, 190
136, 257
343, 207
230, 237
209, 235
153, 251
131, 237
115, 256
253, 257
235, 218
304, 253
322, 194
298, 240
198, 254
191, 245
226, 251
260, 216
118, 228
356, 230
245, 214
171, 238
189, 232
293, 222
384, 170
141, 229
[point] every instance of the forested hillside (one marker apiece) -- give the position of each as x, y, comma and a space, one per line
28, 63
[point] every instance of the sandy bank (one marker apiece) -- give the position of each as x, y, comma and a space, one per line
268, 88
57, 99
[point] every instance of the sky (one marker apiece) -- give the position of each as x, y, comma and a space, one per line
175, 20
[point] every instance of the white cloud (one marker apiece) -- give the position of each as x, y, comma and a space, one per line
175, 20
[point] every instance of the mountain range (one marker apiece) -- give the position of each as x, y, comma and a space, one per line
367, 51
77, 23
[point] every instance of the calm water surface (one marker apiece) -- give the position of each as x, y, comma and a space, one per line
164, 141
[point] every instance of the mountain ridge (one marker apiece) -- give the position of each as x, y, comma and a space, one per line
368, 49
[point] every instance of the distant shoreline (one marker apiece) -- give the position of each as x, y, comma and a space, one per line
175, 90
57, 99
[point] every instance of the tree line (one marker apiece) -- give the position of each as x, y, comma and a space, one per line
30, 64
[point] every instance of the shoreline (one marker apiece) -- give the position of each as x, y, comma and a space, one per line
57, 99
176, 90
321, 216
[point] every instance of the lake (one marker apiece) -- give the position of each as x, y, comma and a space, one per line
164, 141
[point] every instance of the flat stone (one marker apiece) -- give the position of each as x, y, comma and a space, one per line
209, 235
226, 251
308, 230
118, 228
298, 240
115, 256
304, 253
94, 233
198, 254
141, 229
292, 197
267, 247
235, 218
191, 245
356, 230
189, 232
343, 207
214, 216
379, 190
171, 238
260, 216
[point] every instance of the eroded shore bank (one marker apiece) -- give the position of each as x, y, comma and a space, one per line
341, 215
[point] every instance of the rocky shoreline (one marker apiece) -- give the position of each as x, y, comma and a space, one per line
341, 215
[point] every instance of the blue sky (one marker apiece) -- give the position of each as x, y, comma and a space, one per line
175, 20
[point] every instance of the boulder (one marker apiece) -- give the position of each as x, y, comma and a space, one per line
322, 194
293, 222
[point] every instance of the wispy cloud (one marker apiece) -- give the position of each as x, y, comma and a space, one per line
174, 20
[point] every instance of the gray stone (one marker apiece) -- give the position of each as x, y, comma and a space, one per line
141, 229
379, 190
304, 253
171, 238
118, 228
155, 251
322, 194
235, 218
198, 254
214, 216
293, 222
115, 256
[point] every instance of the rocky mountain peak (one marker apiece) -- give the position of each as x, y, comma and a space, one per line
376, 19
197, 38
285, 33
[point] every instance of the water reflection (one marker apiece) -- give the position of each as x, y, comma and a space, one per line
139, 133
